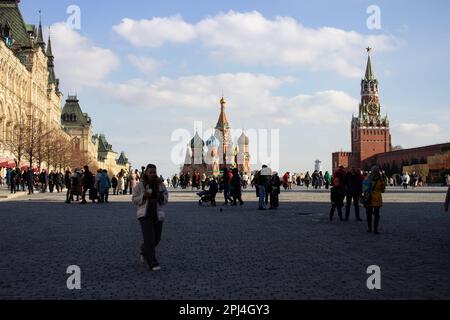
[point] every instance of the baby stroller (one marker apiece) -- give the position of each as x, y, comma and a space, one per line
205, 196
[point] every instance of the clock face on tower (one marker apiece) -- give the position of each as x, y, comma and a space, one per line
372, 109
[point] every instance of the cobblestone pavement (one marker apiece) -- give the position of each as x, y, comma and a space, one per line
239, 253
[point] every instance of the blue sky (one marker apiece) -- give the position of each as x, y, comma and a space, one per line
288, 65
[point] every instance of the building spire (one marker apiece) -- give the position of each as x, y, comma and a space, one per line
223, 121
49, 45
40, 37
369, 72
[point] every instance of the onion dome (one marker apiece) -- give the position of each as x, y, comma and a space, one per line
213, 142
243, 140
197, 142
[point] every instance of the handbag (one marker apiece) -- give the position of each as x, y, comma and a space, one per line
366, 197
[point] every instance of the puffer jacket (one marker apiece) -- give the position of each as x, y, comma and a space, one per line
141, 203
378, 187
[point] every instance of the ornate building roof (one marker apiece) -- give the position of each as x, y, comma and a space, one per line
197, 142
222, 123
103, 145
243, 140
72, 115
123, 160
11, 18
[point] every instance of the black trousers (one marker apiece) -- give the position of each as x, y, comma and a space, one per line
274, 200
375, 212
333, 209
152, 236
104, 197
355, 198
237, 197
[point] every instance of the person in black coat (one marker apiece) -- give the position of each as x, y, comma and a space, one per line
236, 188
337, 199
213, 190
88, 183
353, 190
274, 190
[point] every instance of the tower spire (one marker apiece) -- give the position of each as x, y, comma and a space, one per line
40, 37
49, 45
369, 72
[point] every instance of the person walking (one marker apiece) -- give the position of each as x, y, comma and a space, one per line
150, 196
236, 188
376, 200
353, 189
226, 186
337, 199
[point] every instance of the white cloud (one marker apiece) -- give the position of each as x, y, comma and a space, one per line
155, 32
78, 62
252, 39
419, 130
251, 95
144, 64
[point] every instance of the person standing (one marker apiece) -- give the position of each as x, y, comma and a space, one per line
114, 184
88, 183
307, 179
150, 196
13, 179
104, 184
337, 199
327, 178
51, 181
68, 183
133, 180
121, 182
406, 179
245, 179
353, 189
275, 190
203, 180
447, 200
236, 188
263, 182
213, 189
30, 181
376, 200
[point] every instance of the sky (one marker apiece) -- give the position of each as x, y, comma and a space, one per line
147, 70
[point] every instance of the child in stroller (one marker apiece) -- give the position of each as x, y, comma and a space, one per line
210, 194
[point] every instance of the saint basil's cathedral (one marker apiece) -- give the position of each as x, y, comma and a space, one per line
218, 152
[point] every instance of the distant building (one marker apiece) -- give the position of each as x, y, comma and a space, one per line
98, 152
371, 139
220, 151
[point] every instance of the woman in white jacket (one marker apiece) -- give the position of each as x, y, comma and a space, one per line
150, 195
